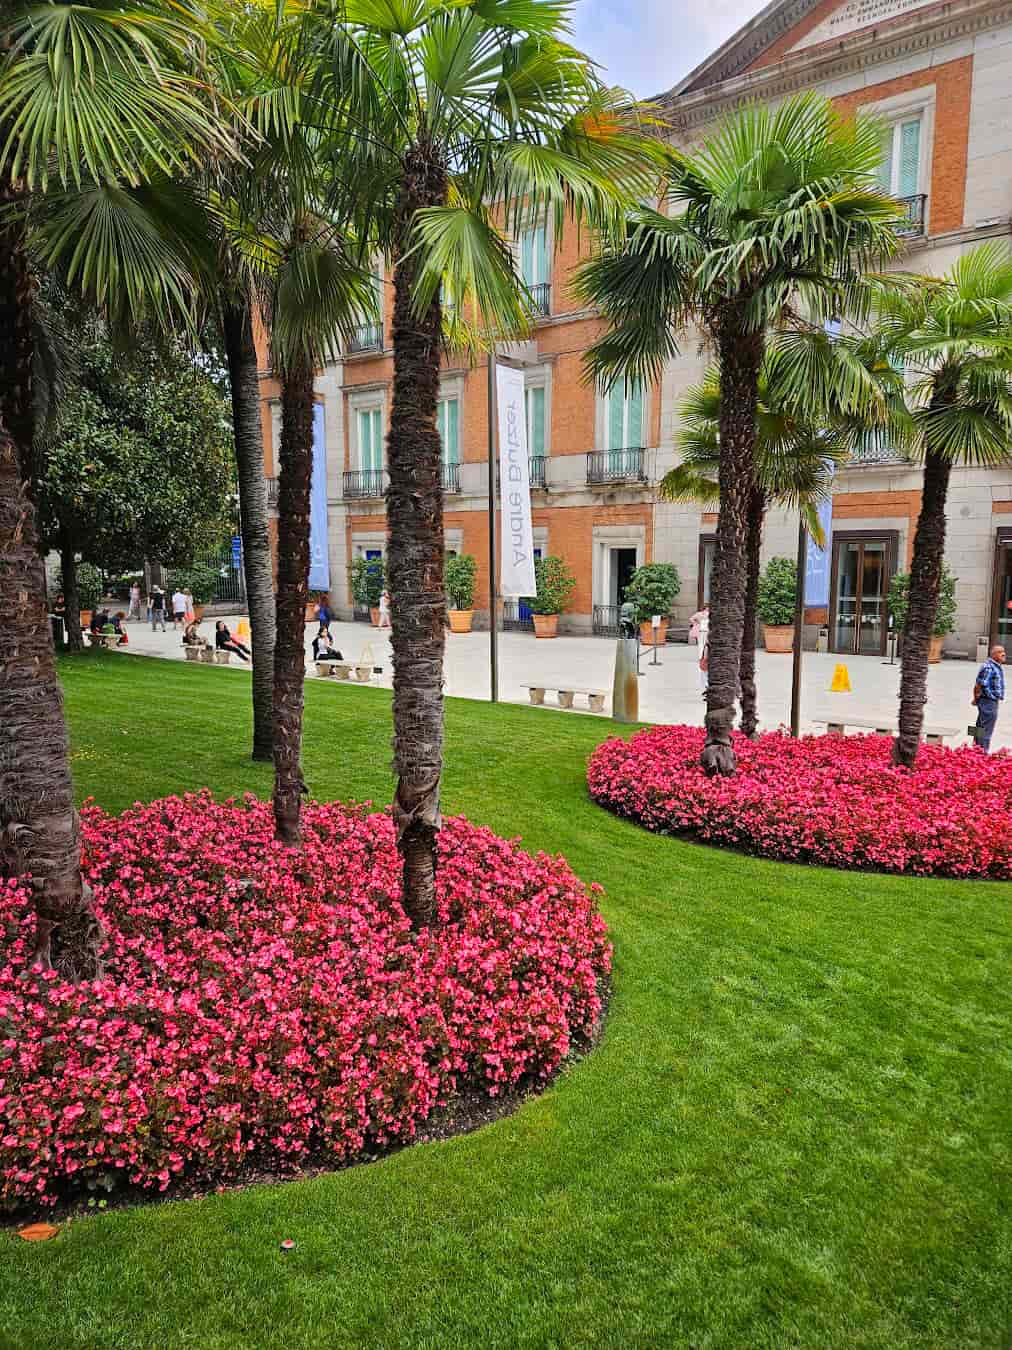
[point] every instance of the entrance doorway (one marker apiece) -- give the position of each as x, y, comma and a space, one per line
623, 565
1001, 599
863, 566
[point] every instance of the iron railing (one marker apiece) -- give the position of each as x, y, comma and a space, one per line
536, 468
272, 493
364, 483
516, 617
541, 296
367, 337
876, 448
914, 224
616, 466
604, 621
451, 478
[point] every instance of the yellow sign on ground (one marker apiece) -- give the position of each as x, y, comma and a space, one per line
841, 680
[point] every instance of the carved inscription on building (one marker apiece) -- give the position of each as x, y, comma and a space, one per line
856, 14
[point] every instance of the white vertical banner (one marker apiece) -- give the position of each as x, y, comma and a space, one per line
516, 573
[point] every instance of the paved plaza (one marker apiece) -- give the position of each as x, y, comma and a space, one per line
669, 691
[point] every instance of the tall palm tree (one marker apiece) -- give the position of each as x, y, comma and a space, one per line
776, 213
117, 73
795, 457
940, 350
462, 121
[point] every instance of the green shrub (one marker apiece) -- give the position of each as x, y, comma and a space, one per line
368, 581
200, 579
778, 586
652, 588
461, 570
555, 583
899, 603
90, 586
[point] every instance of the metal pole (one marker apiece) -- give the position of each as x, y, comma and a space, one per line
493, 634
799, 629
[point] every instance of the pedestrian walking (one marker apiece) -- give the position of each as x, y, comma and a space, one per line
191, 613
134, 608
157, 609
178, 608
988, 693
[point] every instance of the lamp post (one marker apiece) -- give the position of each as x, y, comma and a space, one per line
799, 628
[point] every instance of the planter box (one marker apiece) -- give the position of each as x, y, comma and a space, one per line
778, 637
546, 625
460, 620
647, 634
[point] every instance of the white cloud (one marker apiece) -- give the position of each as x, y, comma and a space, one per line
648, 45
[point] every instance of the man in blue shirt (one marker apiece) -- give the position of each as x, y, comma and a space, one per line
988, 693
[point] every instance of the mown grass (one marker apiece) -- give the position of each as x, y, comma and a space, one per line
795, 1131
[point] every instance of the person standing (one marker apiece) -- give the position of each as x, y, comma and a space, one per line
157, 609
384, 621
703, 639
191, 613
178, 608
134, 608
988, 693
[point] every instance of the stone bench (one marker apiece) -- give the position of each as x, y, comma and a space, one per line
221, 657
883, 726
347, 670
595, 697
194, 653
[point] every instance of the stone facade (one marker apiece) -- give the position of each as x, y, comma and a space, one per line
944, 67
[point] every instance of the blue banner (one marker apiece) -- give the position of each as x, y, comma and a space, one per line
319, 553
236, 552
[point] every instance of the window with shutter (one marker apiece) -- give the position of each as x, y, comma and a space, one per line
534, 399
370, 438
448, 422
534, 256
909, 158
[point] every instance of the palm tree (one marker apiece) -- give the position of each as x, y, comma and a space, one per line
134, 114
941, 352
795, 458
462, 122
775, 214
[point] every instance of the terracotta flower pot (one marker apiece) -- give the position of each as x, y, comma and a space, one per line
647, 634
374, 615
546, 625
85, 618
935, 650
460, 620
198, 612
778, 637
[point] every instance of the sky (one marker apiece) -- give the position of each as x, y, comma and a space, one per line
648, 45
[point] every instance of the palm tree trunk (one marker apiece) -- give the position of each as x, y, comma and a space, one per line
415, 554
753, 548
16, 341
240, 350
740, 355
39, 830
293, 593
71, 599
925, 577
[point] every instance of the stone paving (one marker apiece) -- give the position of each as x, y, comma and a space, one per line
669, 691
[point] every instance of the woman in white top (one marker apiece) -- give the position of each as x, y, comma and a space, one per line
703, 639
384, 607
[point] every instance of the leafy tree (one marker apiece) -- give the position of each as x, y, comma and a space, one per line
777, 592
461, 571
461, 123
945, 614
555, 585
775, 214
139, 464
652, 588
91, 97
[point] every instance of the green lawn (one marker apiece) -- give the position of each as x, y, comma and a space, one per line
794, 1133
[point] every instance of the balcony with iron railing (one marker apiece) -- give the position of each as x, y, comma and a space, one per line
616, 466
451, 478
875, 449
364, 483
367, 337
913, 226
272, 493
541, 297
537, 467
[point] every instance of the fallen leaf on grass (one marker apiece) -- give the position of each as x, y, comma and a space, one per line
38, 1232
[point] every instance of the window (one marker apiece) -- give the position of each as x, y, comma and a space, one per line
625, 416
448, 424
534, 401
900, 169
534, 256
370, 438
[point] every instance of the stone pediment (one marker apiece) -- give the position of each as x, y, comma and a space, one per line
852, 15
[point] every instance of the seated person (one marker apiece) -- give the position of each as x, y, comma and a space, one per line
99, 620
117, 621
191, 637
225, 642
323, 647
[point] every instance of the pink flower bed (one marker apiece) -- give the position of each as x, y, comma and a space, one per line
259, 1006
822, 799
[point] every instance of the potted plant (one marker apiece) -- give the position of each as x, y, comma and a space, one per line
945, 617
461, 570
368, 582
555, 584
89, 591
775, 603
652, 588
200, 580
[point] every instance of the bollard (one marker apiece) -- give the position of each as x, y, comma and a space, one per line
625, 696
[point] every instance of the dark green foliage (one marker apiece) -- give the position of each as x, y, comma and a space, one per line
945, 615
555, 583
777, 589
140, 463
652, 589
461, 570
200, 580
368, 581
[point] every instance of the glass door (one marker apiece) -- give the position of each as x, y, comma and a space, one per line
862, 571
1001, 608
